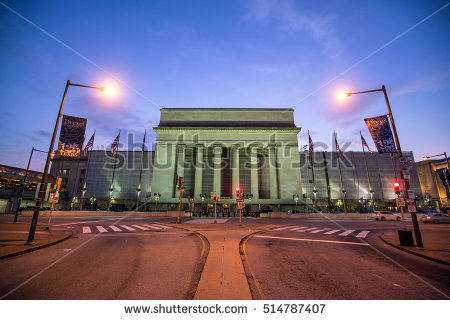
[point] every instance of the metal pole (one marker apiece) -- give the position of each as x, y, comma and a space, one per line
44, 175
23, 186
215, 204
400, 155
85, 178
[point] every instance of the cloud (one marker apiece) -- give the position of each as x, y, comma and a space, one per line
290, 20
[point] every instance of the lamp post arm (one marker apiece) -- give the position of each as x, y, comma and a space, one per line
376, 90
82, 85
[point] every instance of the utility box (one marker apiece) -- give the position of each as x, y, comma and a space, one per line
406, 238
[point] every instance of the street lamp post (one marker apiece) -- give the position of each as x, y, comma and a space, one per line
24, 182
438, 155
400, 155
47, 162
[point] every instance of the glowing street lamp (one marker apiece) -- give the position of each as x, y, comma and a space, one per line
47, 162
399, 151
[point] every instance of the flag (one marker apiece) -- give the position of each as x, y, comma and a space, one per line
311, 144
338, 148
90, 144
115, 145
364, 143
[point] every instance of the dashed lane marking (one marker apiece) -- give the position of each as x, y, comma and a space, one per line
346, 233
320, 230
332, 231
127, 227
101, 229
152, 227
303, 230
362, 234
139, 227
115, 229
87, 230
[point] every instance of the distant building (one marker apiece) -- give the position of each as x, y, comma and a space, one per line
220, 149
434, 191
11, 179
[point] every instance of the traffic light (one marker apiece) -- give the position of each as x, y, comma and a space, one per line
57, 185
212, 195
238, 191
396, 185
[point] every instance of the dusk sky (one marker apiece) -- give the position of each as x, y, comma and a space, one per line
277, 54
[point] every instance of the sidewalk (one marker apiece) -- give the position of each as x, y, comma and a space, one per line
13, 237
436, 244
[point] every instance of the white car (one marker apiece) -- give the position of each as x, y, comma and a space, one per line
386, 215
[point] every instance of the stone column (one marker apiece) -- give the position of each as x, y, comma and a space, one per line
198, 172
181, 151
235, 169
163, 169
273, 181
217, 150
254, 171
289, 171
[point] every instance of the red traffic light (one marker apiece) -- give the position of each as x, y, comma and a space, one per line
237, 189
396, 184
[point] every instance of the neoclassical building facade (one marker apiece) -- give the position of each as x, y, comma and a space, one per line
216, 150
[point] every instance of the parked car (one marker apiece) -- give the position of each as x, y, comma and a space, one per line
386, 215
435, 218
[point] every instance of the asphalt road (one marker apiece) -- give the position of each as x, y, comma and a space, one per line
313, 261
137, 262
139, 258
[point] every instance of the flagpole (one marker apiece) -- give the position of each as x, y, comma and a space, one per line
86, 174
340, 176
312, 171
140, 172
111, 189
367, 171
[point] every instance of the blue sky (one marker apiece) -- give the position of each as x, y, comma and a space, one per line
224, 54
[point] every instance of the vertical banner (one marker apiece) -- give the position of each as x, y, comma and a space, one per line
381, 133
444, 175
71, 137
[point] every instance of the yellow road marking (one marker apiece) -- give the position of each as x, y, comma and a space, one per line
258, 286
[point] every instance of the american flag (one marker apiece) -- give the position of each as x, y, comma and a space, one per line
339, 149
90, 144
311, 144
364, 143
115, 145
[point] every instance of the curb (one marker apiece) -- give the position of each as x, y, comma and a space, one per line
15, 254
414, 253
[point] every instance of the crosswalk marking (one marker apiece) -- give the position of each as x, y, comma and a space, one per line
362, 234
283, 228
346, 233
153, 227
115, 229
139, 227
308, 229
332, 231
101, 229
320, 230
127, 227
86, 230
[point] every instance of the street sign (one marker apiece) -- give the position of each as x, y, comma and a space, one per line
411, 194
411, 205
239, 200
400, 202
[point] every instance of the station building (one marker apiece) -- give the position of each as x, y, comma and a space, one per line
216, 150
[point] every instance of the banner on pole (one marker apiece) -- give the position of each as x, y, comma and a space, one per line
71, 137
445, 176
381, 133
